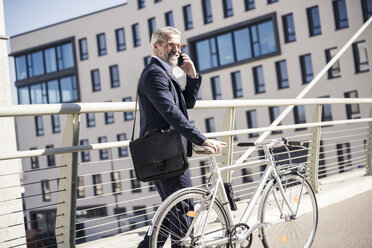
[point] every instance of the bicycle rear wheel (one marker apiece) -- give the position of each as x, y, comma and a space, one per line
281, 228
181, 221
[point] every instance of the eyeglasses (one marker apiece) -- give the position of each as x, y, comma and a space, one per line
171, 44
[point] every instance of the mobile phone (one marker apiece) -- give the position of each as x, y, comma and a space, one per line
180, 60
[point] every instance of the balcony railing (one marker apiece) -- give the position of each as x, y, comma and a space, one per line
67, 211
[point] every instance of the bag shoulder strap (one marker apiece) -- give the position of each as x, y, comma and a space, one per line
135, 107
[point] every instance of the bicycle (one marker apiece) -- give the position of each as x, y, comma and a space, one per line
287, 213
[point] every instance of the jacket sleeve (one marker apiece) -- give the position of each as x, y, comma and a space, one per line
155, 86
190, 93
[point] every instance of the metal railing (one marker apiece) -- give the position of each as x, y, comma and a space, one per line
333, 147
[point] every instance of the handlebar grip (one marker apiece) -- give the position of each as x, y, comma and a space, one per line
295, 143
246, 144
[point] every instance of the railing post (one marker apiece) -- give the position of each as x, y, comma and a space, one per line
314, 147
227, 156
369, 147
66, 218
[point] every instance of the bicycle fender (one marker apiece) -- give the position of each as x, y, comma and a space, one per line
164, 203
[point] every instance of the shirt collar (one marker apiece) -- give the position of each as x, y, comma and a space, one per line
166, 66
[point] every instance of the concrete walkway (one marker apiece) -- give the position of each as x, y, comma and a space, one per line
333, 189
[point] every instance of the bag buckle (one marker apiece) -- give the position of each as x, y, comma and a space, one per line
159, 164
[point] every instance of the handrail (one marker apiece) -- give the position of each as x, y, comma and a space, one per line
97, 107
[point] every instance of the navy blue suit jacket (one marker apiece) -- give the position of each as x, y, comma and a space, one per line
163, 104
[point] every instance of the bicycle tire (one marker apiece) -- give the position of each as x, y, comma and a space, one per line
284, 229
217, 226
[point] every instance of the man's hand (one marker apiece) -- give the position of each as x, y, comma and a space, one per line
188, 66
214, 145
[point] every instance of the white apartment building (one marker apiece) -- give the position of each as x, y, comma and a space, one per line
244, 49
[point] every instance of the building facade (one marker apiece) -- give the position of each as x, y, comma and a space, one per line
244, 49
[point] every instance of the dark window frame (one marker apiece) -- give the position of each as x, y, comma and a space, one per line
56, 123
289, 36
141, 4
210, 125
51, 159
128, 116
273, 115
187, 17
45, 189
228, 9
352, 110
299, 116
34, 160
237, 85
103, 153
135, 183
101, 44
314, 29
252, 122
207, 11
39, 125
216, 88
335, 70
366, 13
123, 150
259, 87
136, 35
152, 26
85, 155
97, 184
96, 80
169, 20
249, 5
357, 63
340, 23
114, 76
91, 119
283, 82
83, 48
120, 39
306, 75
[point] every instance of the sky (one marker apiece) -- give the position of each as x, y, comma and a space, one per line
26, 15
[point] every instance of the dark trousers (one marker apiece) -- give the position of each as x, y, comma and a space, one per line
165, 188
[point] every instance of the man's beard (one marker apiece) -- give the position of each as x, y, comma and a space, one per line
171, 58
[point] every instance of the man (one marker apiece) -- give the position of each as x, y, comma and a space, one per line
163, 103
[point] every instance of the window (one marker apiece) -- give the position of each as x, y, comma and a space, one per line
169, 19
45, 188
367, 9
313, 21
114, 76
326, 111
340, 13
34, 160
152, 186
272, 1
289, 28
207, 11
282, 74
237, 84
274, 113
103, 153
50, 57
109, 118
252, 41
101, 43
205, 171
120, 39
209, 124
97, 184
54, 91
116, 182
343, 156
152, 26
299, 116
352, 110
258, 78
83, 46
91, 120
136, 35
39, 125
216, 88
51, 159
128, 116
252, 122
141, 4
96, 81
56, 125
227, 8
306, 68
334, 71
80, 187
136, 184
123, 150
85, 155
249, 4
360, 56
157, 1
44, 61
187, 17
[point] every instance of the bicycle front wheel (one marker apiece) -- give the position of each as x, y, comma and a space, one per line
291, 224
182, 220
